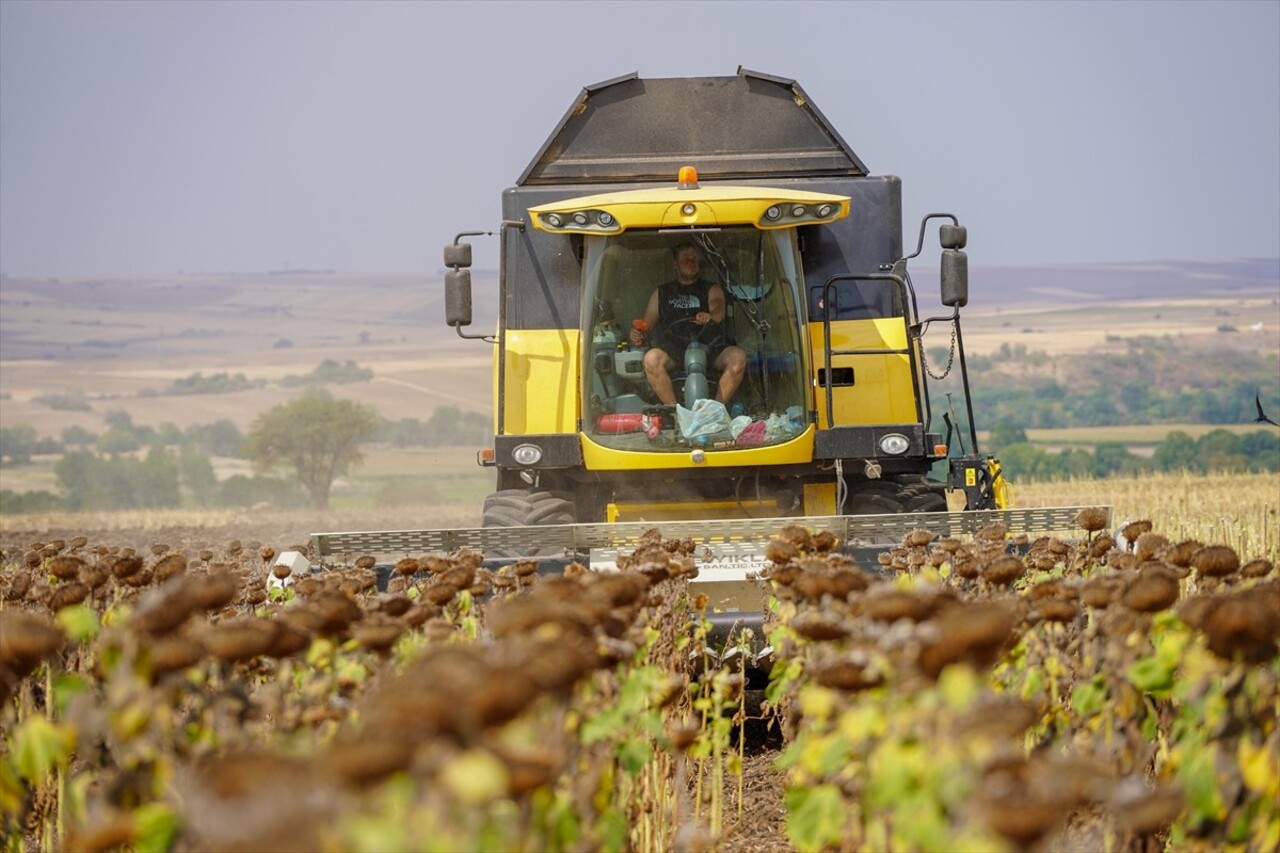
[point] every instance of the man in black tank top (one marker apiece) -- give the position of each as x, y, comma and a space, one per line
683, 310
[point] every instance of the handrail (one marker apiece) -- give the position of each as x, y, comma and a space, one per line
828, 352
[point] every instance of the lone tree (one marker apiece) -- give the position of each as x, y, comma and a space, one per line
315, 434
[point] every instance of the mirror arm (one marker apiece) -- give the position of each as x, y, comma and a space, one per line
457, 327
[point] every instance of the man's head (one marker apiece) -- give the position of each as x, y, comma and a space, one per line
688, 261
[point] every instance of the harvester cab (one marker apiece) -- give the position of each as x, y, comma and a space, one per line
742, 256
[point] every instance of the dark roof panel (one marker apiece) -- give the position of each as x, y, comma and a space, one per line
747, 126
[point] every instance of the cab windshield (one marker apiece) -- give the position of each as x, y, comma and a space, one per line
693, 339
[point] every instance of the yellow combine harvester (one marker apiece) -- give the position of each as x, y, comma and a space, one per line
830, 414
706, 320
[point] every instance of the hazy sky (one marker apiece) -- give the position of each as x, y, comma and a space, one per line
148, 137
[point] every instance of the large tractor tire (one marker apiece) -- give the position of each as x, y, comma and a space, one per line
923, 494
874, 497
926, 502
902, 494
873, 503
526, 508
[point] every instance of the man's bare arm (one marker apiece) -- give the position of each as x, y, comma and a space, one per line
715, 300
650, 320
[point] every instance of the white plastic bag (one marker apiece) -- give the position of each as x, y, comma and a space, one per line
738, 424
777, 427
707, 417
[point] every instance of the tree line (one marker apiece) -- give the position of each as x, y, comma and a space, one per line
1153, 380
297, 450
1216, 451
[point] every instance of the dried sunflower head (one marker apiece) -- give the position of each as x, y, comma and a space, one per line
1133, 529
1150, 592
1003, 571
65, 567
1241, 626
1091, 519
1258, 568
1216, 561
26, 639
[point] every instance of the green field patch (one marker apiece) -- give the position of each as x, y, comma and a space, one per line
1134, 434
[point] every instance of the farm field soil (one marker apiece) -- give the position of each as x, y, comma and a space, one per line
448, 462
1061, 329
409, 381
121, 343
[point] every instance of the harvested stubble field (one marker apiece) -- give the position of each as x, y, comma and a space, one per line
1102, 692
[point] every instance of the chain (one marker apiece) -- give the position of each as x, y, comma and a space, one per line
751, 306
951, 356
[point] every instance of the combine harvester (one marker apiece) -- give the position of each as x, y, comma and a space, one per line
814, 319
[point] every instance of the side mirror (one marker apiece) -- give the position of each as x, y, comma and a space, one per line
955, 277
457, 295
457, 255
457, 285
953, 236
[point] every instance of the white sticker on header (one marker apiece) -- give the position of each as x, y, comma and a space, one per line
716, 564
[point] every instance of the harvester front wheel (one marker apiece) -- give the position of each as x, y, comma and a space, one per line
927, 502
906, 493
873, 503
923, 495
526, 508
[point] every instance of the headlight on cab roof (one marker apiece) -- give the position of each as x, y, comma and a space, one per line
582, 221
787, 213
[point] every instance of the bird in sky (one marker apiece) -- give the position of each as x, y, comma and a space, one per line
1262, 417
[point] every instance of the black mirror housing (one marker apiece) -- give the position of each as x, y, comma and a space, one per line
457, 255
955, 278
457, 295
953, 236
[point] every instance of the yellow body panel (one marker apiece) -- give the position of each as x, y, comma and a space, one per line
820, 499
599, 458
712, 206
1000, 488
883, 391
541, 388
689, 511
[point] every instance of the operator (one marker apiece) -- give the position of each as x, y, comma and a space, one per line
686, 309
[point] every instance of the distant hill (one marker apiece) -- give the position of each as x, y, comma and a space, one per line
121, 343
114, 318
1081, 283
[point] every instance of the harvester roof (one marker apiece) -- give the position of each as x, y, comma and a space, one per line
749, 126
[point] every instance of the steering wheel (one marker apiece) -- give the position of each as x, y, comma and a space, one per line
670, 331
